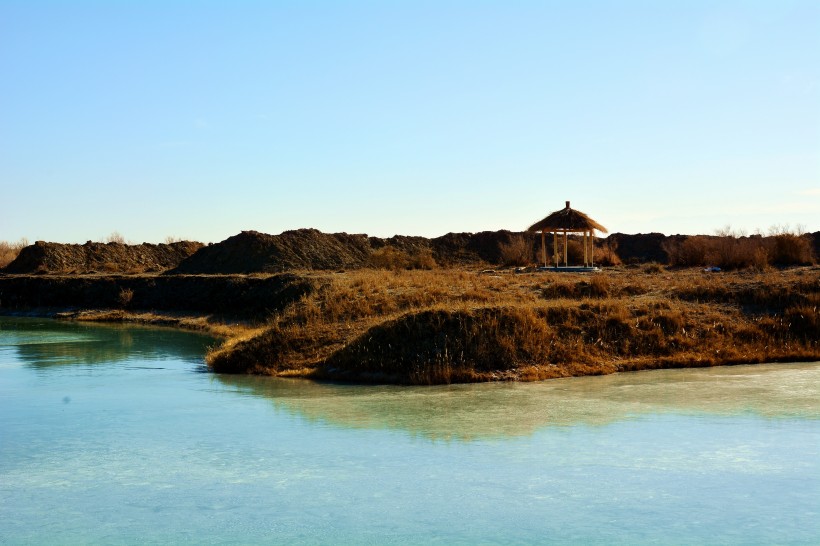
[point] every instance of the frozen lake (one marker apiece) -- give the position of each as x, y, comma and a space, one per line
119, 435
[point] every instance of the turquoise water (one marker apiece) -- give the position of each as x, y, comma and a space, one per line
118, 435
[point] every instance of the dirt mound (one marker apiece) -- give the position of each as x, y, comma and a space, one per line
57, 258
642, 247
254, 252
441, 346
463, 248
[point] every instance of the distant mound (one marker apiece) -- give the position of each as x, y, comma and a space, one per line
310, 249
254, 252
642, 247
57, 258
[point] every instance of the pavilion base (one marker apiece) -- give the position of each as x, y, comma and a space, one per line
570, 269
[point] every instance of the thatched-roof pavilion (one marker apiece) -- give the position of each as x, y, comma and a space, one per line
567, 221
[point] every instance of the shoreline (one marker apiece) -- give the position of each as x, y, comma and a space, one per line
377, 326
231, 334
454, 326
218, 328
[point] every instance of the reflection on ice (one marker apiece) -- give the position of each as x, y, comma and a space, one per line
42, 343
467, 412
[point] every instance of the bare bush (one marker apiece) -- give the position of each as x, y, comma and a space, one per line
388, 257
735, 250
115, 237
790, 249
607, 254
10, 251
691, 251
125, 296
518, 251
423, 259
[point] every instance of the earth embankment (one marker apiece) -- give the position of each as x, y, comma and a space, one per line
244, 296
58, 258
310, 249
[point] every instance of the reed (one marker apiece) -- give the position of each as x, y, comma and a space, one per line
10, 251
734, 250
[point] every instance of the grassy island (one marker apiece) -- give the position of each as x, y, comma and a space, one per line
444, 326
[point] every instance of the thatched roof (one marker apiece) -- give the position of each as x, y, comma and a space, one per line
567, 219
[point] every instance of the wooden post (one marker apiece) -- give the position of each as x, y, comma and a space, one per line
592, 245
555, 247
543, 248
585, 249
565, 249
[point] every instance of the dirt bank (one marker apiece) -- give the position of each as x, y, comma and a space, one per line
57, 258
242, 296
310, 249
452, 325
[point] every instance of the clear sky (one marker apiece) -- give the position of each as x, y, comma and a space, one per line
200, 119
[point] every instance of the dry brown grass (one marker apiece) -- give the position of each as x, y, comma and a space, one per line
388, 257
10, 251
447, 326
733, 250
606, 253
230, 332
517, 252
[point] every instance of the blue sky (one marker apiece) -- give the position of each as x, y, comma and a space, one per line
202, 119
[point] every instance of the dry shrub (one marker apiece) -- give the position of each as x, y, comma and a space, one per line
599, 286
760, 259
115, 237
9, 251
125, 296
388, 257
606, 254
653, 268
689, 252
518, 251
790, 249
423, 259
393, 259
733, 250
559, 289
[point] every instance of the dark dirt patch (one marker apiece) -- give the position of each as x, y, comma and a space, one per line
252, 297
